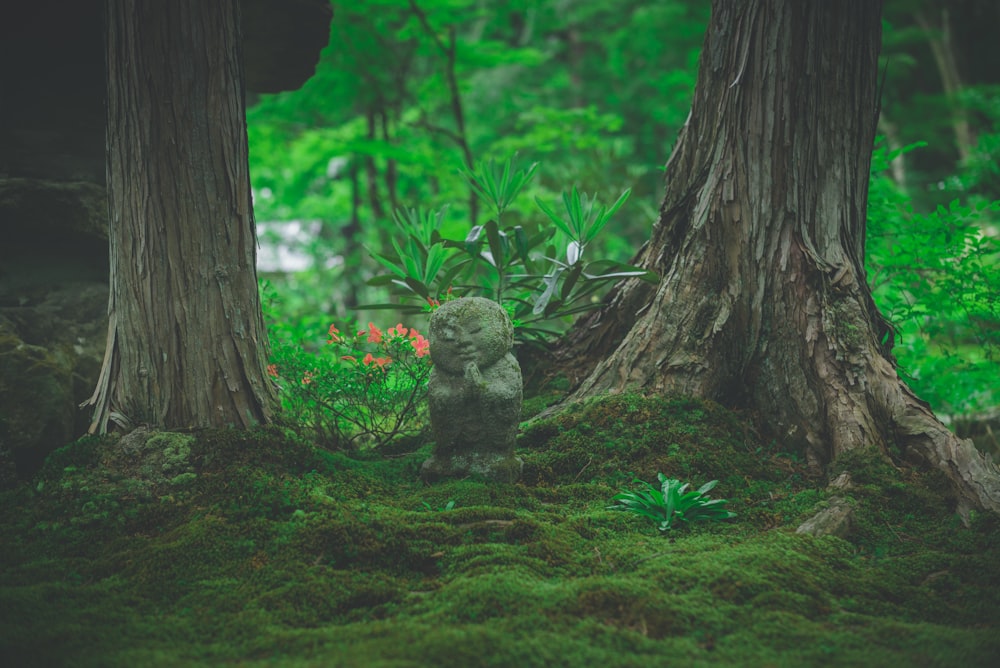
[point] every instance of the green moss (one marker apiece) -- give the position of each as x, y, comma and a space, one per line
265, 551
78, 454
616, 436
174, 452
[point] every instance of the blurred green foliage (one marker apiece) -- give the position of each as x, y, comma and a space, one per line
411, 94
376, 129
935, 276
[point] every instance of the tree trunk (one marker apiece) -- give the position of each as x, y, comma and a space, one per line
939, 36
186, 340
763, 302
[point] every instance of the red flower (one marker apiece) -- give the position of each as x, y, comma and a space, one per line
398, 330
349, 358
272, 370
334, 335
307, 378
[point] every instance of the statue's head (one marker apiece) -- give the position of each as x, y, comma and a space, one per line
470, 329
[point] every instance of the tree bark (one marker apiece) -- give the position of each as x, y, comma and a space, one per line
186, 341
763, 301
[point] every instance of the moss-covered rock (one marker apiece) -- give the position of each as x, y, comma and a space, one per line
36, 392
52, 338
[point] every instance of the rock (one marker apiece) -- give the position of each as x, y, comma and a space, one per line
36, 405
836, 519
52, 340
474, 393
842, 482
156, 457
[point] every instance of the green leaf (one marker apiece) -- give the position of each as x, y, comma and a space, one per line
498, 185
571, 278
417, 286
708, 486
392, 264
497, 241
551, 282
603, 217
473, 240
559, 222
435, 260
523, 246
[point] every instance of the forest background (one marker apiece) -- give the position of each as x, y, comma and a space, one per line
409, 94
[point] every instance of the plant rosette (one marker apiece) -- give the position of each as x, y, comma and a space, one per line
671, 501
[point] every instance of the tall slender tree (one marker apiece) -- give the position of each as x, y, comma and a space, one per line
760, 243
186, 340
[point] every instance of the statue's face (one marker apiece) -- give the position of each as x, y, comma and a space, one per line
479, 333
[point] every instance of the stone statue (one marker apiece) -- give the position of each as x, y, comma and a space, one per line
474, 392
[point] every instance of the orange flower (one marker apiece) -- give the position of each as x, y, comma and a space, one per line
421, 345
398, 330
374, 333
334, 335
380, 362
272, 370
349, 358
307, 378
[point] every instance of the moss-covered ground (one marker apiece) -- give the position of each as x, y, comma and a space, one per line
254, 549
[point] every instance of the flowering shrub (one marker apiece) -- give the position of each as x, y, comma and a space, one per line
359, 389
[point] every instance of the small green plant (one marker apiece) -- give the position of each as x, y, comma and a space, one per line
671, 501
499, 185
446, 507
360, 389
537, 275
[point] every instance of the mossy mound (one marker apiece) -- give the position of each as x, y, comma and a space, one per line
270, 552
591, 449
622, 436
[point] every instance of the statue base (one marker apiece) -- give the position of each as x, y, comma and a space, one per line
492, 467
